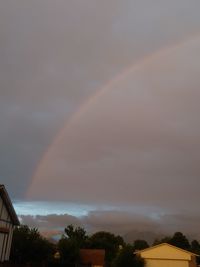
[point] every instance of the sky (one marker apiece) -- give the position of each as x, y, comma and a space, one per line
99, 113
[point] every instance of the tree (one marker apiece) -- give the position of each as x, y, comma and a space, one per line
69, 251
77, 234
107, 241
70, 244
140, 244
127, 258
165, 239
29, 246
195, 248
179, 240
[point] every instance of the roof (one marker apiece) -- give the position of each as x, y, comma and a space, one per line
92, 256
6, 199
166, 244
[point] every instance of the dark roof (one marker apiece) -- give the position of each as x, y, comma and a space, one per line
6, 199
92, 256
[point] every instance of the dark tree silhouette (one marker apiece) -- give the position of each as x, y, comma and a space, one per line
108, 241
29, 246
179, 240
70, 244
140, 244
76, 234
126, 257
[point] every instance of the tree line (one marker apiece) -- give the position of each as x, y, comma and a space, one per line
29, 247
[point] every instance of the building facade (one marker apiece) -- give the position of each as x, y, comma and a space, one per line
166, 255
92, 258
8, 220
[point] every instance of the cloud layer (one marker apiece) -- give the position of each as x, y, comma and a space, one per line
137, 144
131, 226
54, 55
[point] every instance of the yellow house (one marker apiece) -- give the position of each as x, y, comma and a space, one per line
165, 255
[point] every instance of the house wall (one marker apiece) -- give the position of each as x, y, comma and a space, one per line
165, 252
6, 232
167, 256
166, 263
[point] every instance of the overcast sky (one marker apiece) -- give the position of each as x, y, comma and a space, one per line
99, 112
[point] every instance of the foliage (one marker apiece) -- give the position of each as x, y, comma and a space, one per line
126, 257
179, 240
76, 238
162, 240
195, 248
140, 244
29, 246
107, 241
77, 235
70, 244
69, 251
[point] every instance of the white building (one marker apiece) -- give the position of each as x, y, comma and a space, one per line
165, 255
8, 220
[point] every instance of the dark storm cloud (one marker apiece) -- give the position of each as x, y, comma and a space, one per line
54, 54
117, 222
51, 221
130, 225
137, 146
51, 225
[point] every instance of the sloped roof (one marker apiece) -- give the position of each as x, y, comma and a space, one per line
6, 199
92, 256
166, 244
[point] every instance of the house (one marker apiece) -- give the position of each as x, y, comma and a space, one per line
166, 255
8, 220
92, 257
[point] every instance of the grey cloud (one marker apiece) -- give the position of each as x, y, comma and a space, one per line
184, 222
50, 222
130, 225
118, 221
137, 143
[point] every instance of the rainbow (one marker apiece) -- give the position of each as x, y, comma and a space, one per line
141, 63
